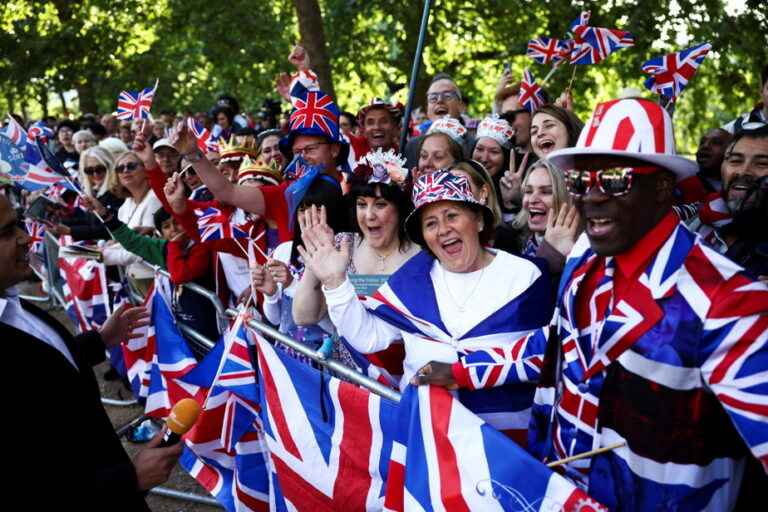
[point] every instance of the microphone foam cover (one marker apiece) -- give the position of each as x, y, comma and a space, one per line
183, 415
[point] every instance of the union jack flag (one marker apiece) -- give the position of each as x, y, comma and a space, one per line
40, 131
36, 232
531, 95
157, 360
225, 451
315, 110
545, 50
329, 450
85, 292
135, 104
14, 131
582, 20
446, 458
671, 73
593, 45
216, 224
204, 136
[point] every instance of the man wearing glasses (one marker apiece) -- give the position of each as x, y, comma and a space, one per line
443, 99
659, 345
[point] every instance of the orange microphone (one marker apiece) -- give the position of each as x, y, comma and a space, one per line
183, 416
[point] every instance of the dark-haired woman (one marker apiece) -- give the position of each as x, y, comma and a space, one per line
380, 245
552, 128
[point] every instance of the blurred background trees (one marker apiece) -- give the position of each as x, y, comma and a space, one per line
361, 48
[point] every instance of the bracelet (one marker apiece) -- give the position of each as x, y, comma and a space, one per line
194, 156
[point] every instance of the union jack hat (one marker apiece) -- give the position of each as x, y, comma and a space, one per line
438, 186
497, 129
633, 128
449, 126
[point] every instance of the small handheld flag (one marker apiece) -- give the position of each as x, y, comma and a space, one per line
593, 45
671, 73
531, 95
135, 104
545, 50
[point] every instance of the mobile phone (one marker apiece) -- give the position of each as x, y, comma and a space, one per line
507, 67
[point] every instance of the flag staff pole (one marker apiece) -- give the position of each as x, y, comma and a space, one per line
415, 74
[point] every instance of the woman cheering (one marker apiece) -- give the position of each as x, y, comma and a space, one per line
464, 312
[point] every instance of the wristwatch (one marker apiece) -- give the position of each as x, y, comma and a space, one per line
194, 156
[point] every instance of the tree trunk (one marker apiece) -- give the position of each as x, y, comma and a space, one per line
44, 101
64, 110
313, 40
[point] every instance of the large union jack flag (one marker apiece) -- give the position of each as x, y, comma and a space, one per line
545, 50
313, 111
135, 104
216, 224
329, 450
531, 95
446, 458
671, 73
593, 45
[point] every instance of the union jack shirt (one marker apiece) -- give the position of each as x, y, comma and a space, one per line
672, 363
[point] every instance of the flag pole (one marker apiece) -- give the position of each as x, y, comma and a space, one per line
415, 74
584, 455
573, 75
549, 75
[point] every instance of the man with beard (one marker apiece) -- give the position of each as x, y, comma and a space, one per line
710, 156
659, 345
734, 221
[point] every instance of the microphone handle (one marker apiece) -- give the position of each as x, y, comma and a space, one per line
170, 438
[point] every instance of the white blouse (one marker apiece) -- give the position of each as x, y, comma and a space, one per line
464, 301
134, 215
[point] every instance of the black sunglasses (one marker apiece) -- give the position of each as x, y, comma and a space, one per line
129, 167
96, 169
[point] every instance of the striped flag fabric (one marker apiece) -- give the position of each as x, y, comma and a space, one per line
135, 104
671, 73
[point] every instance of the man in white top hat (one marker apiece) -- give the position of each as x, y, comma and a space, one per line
659, 342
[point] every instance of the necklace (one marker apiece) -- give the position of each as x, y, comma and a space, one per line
462, 306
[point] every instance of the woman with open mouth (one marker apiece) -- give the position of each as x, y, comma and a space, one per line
452, 304
552, 128
548, 223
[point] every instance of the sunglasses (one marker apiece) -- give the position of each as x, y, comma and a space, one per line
612, 182
96, 169
129, 167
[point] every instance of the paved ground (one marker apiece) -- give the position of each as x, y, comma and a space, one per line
120, 416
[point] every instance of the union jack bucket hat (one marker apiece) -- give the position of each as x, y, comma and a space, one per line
633, 128
438, 186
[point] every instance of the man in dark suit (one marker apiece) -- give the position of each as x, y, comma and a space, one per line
63, 451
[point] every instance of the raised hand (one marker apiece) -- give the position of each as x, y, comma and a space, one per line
565, 100
328, 263
141, 145
511, 185
93, 204
183, 139
299, 58
283, 86
123, 324
563, 229
175, 193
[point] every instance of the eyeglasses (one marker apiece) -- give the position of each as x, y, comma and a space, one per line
434, 97
129, 167
613, 182
310, 148
96, 169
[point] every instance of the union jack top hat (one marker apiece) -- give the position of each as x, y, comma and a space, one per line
633, 128
438, 186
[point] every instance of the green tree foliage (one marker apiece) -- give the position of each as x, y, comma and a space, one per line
199, 49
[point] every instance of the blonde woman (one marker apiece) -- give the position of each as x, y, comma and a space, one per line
83, 139
548, 223
98, 178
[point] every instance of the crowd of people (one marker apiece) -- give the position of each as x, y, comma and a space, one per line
578, 283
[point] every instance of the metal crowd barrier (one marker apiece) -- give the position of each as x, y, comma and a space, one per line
55, 285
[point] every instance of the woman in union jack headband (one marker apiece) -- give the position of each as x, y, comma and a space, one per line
457, 305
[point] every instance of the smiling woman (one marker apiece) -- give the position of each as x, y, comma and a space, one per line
553, 128
453, 299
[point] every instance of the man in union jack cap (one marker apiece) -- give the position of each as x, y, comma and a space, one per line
659, 345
